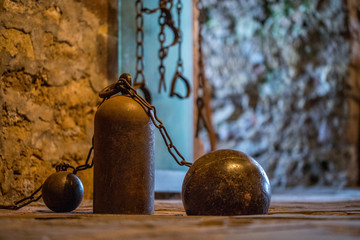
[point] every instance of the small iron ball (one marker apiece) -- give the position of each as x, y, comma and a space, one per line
62, 192
226, 183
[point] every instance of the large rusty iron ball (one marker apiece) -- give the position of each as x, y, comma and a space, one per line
62, 191
227, 183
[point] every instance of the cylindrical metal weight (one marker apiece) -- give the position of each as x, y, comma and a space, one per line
123, 158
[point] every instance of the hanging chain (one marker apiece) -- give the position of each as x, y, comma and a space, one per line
35, 196
164, 19
139, 77
139, 81
179, 65
123, 85
203, 115
163, 51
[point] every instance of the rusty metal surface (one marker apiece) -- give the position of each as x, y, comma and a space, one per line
123, 85
62, 192
124, 158
226, 182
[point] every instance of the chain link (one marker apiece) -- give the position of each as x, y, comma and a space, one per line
123, 85
158, 124
25, 201
139, 80
139, 20
179, 65
60, 167
87, 165
163, 51
165, 19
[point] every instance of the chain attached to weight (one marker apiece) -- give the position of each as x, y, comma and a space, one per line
35, 196
25, 201
123, 85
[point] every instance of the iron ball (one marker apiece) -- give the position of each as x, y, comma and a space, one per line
62, 191
226, 183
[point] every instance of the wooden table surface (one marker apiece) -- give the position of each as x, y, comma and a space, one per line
314, 214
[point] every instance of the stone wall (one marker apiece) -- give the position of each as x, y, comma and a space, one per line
279, 76
279, 72
54, 58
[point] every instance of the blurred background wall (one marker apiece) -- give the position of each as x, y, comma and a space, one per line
285, 86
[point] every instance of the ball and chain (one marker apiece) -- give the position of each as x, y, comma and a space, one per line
222, 182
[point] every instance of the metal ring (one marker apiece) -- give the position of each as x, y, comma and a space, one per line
109, 91
173, 83
145, 90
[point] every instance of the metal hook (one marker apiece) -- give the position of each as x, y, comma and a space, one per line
177, 76
116, 87
145, 90
168, 21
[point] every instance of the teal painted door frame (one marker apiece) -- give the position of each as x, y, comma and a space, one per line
176, 114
